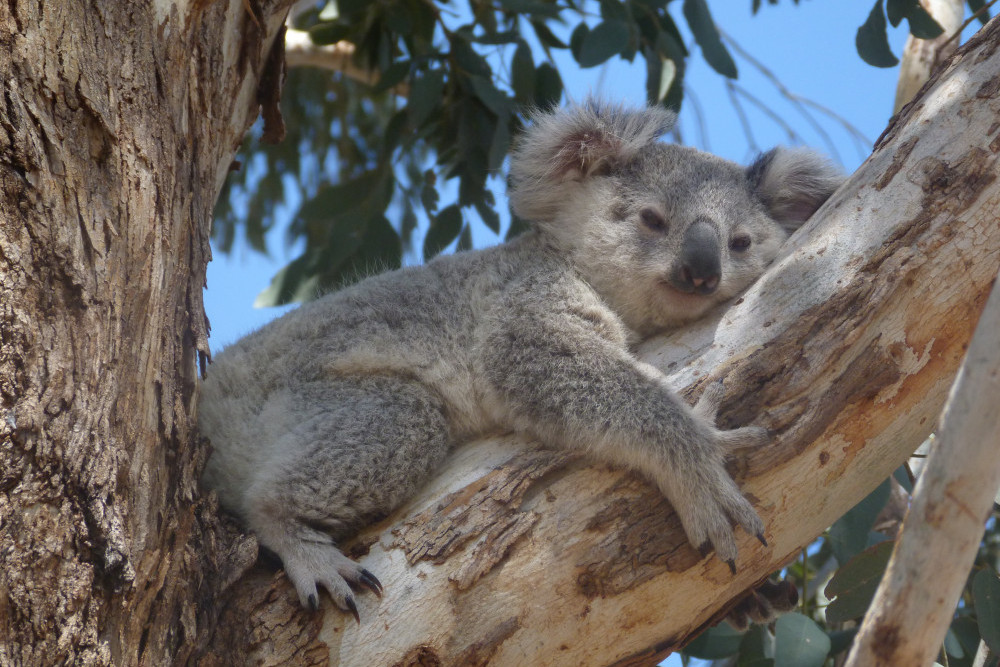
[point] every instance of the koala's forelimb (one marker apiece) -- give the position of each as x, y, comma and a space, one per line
331, 416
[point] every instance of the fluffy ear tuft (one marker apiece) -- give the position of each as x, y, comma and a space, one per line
793, 183
573, 143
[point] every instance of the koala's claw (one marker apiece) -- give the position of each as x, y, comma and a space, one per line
760, 537
732, 566
369, 580
353, 608
311, 565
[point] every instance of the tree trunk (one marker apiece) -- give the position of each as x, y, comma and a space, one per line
117, 126
118, 123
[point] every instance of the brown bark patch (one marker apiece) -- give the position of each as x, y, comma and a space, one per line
486, 514
482, 651
643, 538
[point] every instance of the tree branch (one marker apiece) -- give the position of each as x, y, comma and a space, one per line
915, 602
300, 51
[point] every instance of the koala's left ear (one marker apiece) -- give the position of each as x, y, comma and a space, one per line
793, 183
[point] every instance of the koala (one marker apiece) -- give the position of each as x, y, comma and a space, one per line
328, 418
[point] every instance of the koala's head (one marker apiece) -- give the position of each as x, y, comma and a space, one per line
662, 232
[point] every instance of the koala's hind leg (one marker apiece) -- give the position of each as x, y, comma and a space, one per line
359, 447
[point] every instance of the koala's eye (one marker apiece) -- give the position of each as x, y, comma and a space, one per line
652, 219
740, 243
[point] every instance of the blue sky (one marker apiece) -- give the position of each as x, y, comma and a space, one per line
809, 47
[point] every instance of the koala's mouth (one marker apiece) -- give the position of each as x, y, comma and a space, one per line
692, 296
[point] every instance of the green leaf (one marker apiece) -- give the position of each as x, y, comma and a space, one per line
392, 76
614, 10
445, 227
922, 24
605, 40
548, 86
465, 239
425, 96
522, 73
872, 42
952, 646
675, 54
329, 33
755, 648
854, 584
902, 476
715, 643
896, 10
488, 94
499, 145
840, 640
547, 37
467, 58
986, 596
849, 535
489, 215
707, 36
335, 200
966, 630
799, 642
576, 38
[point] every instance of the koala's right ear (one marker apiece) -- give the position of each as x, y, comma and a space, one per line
573, 143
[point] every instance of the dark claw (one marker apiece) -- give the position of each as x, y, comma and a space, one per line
732, 566
371, 581
760, 536
705, 548
313, 602
353, 608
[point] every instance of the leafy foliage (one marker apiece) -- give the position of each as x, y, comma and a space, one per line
837, 577
358, 156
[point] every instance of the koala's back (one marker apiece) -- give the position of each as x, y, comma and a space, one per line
418, 323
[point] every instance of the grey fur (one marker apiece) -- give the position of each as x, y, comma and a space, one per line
331, 416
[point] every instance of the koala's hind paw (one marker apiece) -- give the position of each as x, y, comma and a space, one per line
764, 604
310, 564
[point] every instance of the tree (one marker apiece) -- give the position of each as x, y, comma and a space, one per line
118, 127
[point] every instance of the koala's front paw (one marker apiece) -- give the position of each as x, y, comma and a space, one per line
308, 564
714, 502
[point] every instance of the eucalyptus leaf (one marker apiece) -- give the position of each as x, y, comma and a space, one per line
707, 36
986, 595
715, 643
853, 586
607, 39
872, 42
445, 228
799, 642
849, 534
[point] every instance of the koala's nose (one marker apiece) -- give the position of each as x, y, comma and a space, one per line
699, 267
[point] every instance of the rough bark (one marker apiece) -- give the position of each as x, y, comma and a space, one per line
118, 122
915, 602
845, 351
